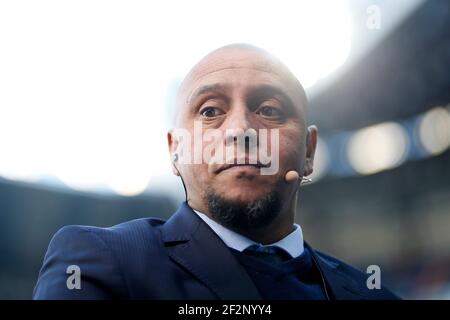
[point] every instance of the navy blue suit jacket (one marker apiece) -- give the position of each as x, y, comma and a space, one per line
181, 258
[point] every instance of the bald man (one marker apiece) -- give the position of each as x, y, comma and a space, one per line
241, 146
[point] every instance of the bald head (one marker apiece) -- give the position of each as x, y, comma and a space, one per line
234, 57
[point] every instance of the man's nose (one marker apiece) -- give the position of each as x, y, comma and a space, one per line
237, 123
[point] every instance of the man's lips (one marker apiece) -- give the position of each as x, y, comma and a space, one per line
240, 166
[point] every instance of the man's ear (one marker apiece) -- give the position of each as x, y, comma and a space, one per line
311, 143
173, 145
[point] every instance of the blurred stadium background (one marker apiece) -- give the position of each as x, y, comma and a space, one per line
86, 93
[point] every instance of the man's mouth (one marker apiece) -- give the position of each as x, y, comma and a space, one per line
243, 166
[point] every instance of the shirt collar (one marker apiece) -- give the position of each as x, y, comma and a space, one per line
292, 243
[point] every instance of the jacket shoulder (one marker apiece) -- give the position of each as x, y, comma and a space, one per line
104, 256
126, 233
127, 241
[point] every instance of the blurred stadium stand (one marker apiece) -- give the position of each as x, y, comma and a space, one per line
399, 218
31, 214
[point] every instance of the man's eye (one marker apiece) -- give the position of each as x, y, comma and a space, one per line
210, 112
270, 112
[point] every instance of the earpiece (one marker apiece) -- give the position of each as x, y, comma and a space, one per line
175, 159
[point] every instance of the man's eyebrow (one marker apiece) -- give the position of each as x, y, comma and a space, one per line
267, 91
217, 88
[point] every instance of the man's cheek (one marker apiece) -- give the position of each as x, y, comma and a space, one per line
290, 159
197, 173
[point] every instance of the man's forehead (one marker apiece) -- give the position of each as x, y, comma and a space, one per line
235, 58
242, 57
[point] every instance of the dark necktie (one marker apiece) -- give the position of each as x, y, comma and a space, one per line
270, 254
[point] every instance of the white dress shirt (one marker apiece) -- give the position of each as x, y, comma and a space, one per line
292, 243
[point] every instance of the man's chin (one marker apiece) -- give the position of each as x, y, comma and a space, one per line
243, 211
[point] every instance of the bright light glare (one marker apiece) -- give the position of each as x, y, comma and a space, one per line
83, 84
434, 130
378, 148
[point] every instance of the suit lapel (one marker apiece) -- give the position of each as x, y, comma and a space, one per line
338, 285
192, 244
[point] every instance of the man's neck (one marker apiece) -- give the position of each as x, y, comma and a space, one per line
272, 233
